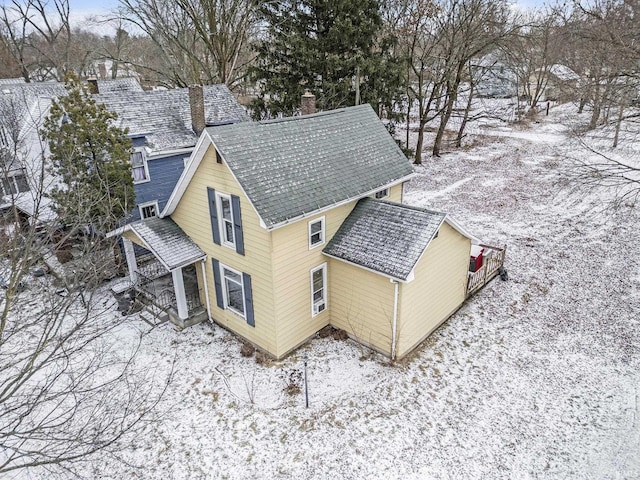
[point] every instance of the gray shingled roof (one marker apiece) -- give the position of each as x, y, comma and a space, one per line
166, 116
167, 241
295, 166
385, 237
119, 85
19, 102
11, 81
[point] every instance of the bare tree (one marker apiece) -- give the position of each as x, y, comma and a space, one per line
467, 28
66, 392
201, 40
416, 28
43, 28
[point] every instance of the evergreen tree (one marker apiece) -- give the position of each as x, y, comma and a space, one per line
91, 157
334, 48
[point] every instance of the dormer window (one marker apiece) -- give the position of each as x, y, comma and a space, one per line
139, 168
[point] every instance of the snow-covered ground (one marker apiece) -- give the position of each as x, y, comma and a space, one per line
536, 377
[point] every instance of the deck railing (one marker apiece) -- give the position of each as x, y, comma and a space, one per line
493, 259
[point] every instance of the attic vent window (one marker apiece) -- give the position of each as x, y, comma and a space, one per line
218, 157
148, 210
382, 193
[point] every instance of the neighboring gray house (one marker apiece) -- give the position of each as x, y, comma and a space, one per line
164, 126
494, 78
23, 107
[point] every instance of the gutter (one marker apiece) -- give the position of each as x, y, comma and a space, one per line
394, 325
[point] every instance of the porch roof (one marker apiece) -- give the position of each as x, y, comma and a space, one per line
166, 240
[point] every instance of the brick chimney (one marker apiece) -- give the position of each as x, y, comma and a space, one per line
308, 105
93, 85
196, 103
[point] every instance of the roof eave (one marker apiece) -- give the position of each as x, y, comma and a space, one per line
409, 278
187, 174
297, 218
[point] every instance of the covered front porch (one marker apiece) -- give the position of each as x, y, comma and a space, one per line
166, 269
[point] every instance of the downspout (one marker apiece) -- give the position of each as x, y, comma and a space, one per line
394, 325
206, 288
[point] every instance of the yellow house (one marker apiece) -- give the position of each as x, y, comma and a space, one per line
291, 225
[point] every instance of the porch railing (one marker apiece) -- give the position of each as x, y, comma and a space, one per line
493, 259
193, 301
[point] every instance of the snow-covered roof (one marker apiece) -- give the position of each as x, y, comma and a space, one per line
564, 73
32, 204
295, 167
119, 85
11, 81
164, 116
166, 240
18, 102
388, 238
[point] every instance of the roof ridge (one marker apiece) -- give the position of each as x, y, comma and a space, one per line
404, 205
300, 117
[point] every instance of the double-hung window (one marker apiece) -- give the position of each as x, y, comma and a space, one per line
316, 232
226, 220
139, 168
318, 289
13, 185
233, 291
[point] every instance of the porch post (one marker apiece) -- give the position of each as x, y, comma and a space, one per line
181, 298
130, 254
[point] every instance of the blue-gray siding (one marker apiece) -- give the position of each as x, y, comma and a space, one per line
163, 174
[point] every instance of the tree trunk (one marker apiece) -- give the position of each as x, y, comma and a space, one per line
465, 117
618, 123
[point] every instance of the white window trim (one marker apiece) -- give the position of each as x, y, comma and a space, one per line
225, 295
221, 229
148, 204
322, 232
145, 165
322, 267
384, 193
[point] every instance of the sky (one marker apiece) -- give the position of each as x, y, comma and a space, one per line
104, 6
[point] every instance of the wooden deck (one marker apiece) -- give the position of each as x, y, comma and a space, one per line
493, 260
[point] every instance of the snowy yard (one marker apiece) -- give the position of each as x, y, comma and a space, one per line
536, 377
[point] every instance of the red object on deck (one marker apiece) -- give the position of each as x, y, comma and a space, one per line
475, 262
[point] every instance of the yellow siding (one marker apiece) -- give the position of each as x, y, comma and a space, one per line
292, 264
192, 214
437, 291
361, 303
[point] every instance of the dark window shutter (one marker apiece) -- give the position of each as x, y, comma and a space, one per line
237, 224
218, 283
248, 299
213, 213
